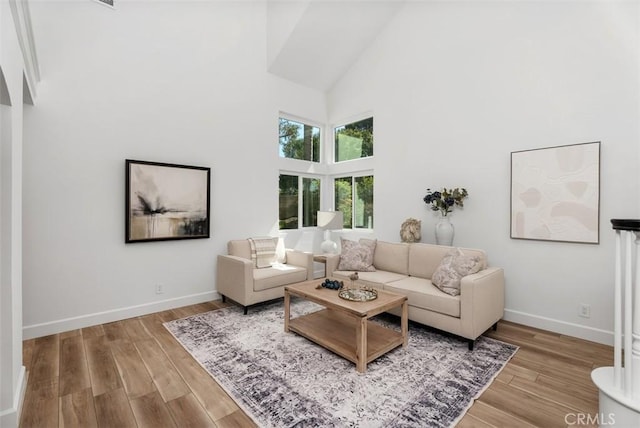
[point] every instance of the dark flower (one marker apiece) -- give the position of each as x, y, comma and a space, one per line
445, 200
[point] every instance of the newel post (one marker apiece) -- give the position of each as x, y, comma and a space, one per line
620, 385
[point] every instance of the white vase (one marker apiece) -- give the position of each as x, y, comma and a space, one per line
281, 252
444, 231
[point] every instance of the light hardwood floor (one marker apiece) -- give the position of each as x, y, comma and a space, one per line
133, 373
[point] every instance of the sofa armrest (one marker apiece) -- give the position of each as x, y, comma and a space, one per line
234, 277
301, 259
333, 260
481, 301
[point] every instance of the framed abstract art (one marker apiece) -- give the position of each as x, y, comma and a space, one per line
166, 201
555, 193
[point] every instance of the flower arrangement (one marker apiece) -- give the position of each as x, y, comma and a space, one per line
446, 199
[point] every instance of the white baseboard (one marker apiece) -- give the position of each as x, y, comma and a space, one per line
570, 329
11, 417
67, 324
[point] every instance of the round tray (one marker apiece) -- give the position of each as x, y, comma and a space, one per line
358, 294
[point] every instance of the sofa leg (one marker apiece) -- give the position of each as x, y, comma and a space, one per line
224, 299
470, 343
245, 309
495, 326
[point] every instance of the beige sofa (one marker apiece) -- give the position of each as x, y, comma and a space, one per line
238, 279
408, 268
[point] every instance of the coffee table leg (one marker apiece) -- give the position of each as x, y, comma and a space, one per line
287, 304
361, 345
405, 324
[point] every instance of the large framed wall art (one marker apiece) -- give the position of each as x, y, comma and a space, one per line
166, 201
555, 193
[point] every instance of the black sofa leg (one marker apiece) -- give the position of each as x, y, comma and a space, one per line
245, 309
470, 343
495, 326
224, 299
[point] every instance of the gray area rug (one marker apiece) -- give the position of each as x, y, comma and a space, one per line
283, 380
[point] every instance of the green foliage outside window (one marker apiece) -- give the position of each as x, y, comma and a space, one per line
354, 141
344, 199
354, 197
299, 140
288, 202
289, 212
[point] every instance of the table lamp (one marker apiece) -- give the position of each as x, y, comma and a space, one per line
328, 221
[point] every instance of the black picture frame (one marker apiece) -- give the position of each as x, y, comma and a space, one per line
166, 202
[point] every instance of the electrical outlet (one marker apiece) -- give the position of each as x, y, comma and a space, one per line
159, 289
584, 310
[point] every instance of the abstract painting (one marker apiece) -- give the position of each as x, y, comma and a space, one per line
166, 201
555, 193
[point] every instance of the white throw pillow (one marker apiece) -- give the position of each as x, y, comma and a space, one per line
454, 266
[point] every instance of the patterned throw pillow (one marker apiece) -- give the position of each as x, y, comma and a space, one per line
357, 256
452, 268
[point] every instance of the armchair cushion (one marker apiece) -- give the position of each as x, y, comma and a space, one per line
277, 275
452, 268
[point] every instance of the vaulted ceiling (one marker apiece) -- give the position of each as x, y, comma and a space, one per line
314, 42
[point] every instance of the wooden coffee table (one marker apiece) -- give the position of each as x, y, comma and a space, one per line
344, 326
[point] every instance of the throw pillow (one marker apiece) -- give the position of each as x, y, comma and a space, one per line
454, 266
263, 252
357, 256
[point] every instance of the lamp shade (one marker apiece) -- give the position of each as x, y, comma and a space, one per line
330, 220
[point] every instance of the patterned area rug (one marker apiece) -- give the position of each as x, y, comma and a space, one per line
283, 380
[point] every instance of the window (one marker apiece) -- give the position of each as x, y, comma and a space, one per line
354, 197
299, 201
299, 140
354, 140
301, 180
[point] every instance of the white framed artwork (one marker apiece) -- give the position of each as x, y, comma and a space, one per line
555, 193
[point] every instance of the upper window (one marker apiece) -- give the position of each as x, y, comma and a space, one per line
354, 140
299, 140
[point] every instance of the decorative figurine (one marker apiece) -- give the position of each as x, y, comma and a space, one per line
410, 230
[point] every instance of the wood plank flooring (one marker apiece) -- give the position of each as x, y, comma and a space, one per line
133, 373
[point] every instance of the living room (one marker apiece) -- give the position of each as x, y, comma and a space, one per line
454, 88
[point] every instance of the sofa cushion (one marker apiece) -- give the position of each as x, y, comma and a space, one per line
423, 294
375, 279
452, 268
357, 256
277, 275
392, 257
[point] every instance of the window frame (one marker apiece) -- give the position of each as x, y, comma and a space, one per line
301, 177
304, 121
344, 123
327, 170
354, 175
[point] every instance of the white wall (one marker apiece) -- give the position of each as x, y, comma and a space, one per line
454, 89
457, 86
178, 82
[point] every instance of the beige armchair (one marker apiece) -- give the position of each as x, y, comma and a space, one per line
238, 279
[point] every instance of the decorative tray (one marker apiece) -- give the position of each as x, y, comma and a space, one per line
358, 294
